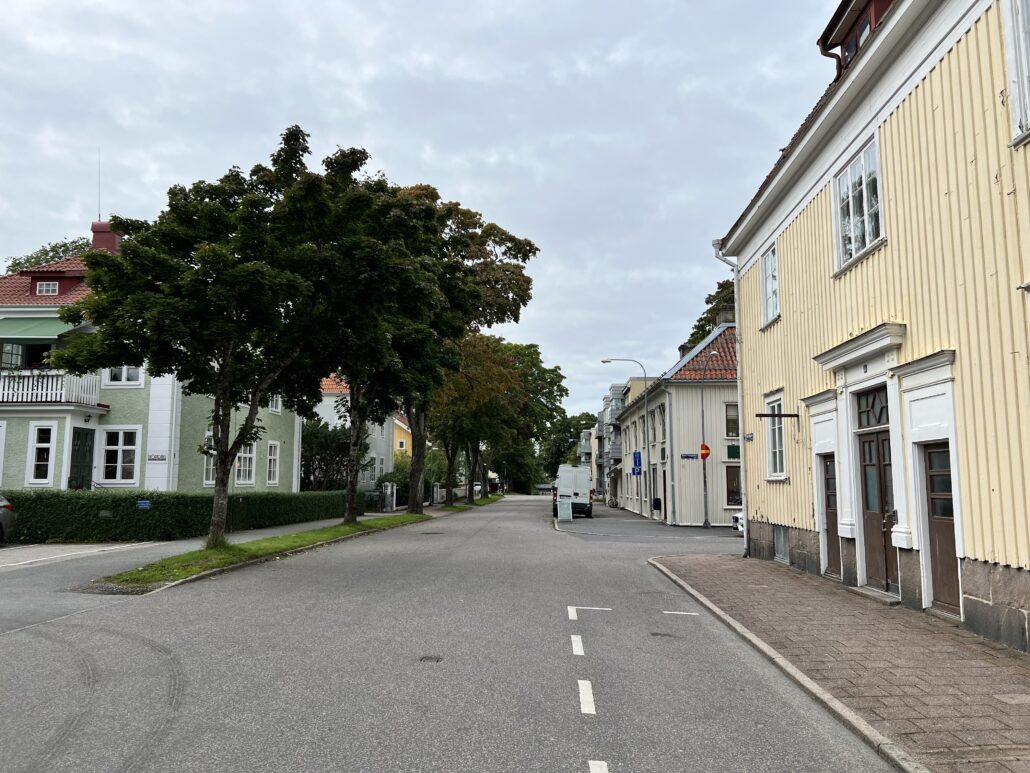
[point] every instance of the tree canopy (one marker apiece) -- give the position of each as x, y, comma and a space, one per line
48, 253
719, 301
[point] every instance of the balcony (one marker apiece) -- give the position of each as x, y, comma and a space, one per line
25, 387
615, 450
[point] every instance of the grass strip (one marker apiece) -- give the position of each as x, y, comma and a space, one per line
186, 565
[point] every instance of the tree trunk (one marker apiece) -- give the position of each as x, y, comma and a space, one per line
473, 470
220, 505
451, 452
417, 479
486, 480
356, 412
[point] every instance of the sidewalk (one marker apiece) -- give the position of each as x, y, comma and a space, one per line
950, 699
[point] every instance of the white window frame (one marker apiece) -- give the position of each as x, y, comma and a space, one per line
8, 352
275, 404
774, 427
52, 288
210, 463
400, 445
248, 452
108, 383
30, 456
770, 286
382, 467
102, 447
726, 420
1017, 55
272, 480
726, 486
859, 161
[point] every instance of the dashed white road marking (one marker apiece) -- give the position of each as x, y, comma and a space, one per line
586, 697
574, 616
596, 766
577, 645
91, 551
692, 614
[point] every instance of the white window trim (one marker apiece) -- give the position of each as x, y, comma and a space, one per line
49, 284
30, 456
253, 466
278, 463
767, 317
725, 420
100, 446
726, 485
106, 382
1017, 59
275, 404
840, 265
400, 445
213, 460
770, 474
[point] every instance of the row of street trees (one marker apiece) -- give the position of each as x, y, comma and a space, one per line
261, 284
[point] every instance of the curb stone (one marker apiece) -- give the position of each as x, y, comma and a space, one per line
884, 747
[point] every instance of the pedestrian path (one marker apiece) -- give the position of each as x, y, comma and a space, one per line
951, 699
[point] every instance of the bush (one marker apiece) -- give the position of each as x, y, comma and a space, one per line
105, 516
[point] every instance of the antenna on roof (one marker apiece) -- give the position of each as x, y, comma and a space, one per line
99, 218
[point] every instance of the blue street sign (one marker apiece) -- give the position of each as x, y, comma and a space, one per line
636, 470
636, 461
142, 504
688, 456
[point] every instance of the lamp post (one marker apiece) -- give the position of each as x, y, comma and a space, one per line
704, 461
647, 445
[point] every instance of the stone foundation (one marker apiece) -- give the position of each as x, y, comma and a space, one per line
910, 579
802, 545
996, 602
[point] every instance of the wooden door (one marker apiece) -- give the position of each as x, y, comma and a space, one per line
829, 473
80, 468
878, 511
941, 518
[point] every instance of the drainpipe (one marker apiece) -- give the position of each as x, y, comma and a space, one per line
835, 57
735, 268
670, 513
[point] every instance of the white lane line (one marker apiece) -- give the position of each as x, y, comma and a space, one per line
596, 766
586, 697
91, 551
574, 616
577, 645
692, 614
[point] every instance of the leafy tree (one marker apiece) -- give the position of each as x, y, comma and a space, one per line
229, 291
719, 301
48, 253
325, 456
562, 438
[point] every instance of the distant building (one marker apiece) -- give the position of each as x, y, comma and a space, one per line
379, 459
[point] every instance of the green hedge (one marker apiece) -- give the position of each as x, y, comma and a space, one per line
112, 516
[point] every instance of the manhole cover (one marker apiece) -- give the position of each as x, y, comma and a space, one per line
430, 659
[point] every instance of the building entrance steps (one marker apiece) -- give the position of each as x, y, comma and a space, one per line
947, 698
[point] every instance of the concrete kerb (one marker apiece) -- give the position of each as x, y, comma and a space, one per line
884, 747
282, 554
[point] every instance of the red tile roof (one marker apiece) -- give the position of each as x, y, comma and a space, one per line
16, 289
717, 361
334, 385
401, 419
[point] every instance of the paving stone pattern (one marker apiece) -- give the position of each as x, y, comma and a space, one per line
951, 699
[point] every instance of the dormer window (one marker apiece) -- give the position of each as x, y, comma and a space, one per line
46, 288
851, 27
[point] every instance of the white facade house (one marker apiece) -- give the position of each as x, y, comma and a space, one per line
380, 436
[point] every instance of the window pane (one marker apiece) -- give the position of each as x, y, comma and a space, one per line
940, 484
942, 508
40, 471
872, 489
43, 435
733, 496
112, 438
732, 420
939, 460
114, 374
132, 373
129, 439
857, 207
844, 207
42, 455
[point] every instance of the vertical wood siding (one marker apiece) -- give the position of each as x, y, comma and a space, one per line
956, 206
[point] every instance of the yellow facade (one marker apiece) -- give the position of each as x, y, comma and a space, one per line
956, 208
401, 439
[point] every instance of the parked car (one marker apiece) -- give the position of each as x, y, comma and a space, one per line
477, 489
8, 521
576, 485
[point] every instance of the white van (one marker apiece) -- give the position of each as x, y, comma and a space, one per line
574, 484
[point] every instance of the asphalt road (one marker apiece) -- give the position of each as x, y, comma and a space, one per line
444, 646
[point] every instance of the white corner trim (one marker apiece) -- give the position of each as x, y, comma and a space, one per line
888, 335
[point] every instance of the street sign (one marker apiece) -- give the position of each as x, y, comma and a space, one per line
142, 504
636, 461
688, 456
637, 470
705, 451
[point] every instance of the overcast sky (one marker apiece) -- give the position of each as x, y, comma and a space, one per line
620, 137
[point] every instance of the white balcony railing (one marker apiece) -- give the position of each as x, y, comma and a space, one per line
48, 386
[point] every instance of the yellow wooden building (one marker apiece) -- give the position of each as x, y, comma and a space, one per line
884, 316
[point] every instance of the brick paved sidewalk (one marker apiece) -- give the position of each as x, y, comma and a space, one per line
954, 701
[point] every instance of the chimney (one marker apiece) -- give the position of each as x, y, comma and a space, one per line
104, 238
684, 348
725, 314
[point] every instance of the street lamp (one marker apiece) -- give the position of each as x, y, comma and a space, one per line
647, 445
704, 460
